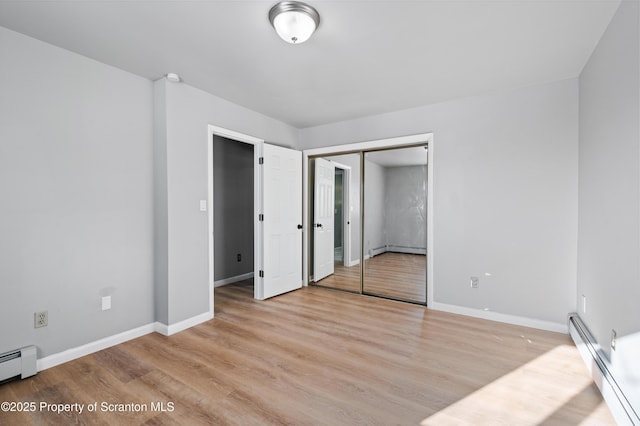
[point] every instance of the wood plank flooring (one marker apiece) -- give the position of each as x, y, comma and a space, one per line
317, 356
395, 275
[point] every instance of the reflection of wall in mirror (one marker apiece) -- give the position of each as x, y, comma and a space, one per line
406, 208
374, 208
395, 209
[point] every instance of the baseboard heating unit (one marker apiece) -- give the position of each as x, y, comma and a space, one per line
19, 363
614, 396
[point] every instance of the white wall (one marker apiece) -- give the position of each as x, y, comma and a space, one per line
609, 195
505, 188
188, 111
76, 192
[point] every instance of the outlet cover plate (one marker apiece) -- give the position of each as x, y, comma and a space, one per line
40, 319
106, 303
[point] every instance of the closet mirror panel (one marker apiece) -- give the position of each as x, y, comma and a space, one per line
335, 222
395, 217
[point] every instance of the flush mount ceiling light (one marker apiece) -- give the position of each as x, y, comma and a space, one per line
294, 21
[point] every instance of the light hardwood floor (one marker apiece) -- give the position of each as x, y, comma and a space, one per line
395, 275
317, 356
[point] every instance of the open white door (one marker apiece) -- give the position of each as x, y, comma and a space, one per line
323, 217
282, 223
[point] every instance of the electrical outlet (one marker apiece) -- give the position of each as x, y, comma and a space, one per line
40, 319
239, 257
475, 282
614, 340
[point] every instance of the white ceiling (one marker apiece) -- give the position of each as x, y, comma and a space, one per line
367, 57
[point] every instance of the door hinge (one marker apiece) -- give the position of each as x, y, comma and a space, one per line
261, 160
261, 217
261, 274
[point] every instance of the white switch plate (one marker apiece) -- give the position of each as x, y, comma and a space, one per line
106, 303
203, 205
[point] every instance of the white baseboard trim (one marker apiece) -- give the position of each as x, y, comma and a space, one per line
168, 330
116, 339
497, 316
232, 280
89, 348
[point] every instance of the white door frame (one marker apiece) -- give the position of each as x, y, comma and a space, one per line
346, 212
257, 197
396, 142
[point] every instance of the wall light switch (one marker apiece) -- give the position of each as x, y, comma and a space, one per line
106, 303
203, 205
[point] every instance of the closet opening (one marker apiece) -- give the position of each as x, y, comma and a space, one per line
233, 211
388, 221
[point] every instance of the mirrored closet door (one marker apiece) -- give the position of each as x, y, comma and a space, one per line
395, 217
389, 232
335, 222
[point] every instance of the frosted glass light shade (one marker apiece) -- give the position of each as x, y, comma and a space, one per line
294, 21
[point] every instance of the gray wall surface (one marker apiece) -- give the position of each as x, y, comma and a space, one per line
609, 195
505, 188
189, 111
101, 199
405, 220
233, 207
76, 191
161, 219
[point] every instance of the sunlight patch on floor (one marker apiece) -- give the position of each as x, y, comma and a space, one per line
526, 396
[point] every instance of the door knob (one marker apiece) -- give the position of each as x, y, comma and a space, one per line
299, 226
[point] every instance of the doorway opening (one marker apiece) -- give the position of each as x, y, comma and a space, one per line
233, 211
276, 217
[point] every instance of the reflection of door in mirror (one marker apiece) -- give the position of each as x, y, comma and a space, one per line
395, 232
343, 250
338, 218
323, 218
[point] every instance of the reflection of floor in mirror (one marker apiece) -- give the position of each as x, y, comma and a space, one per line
396, 275
343, 278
